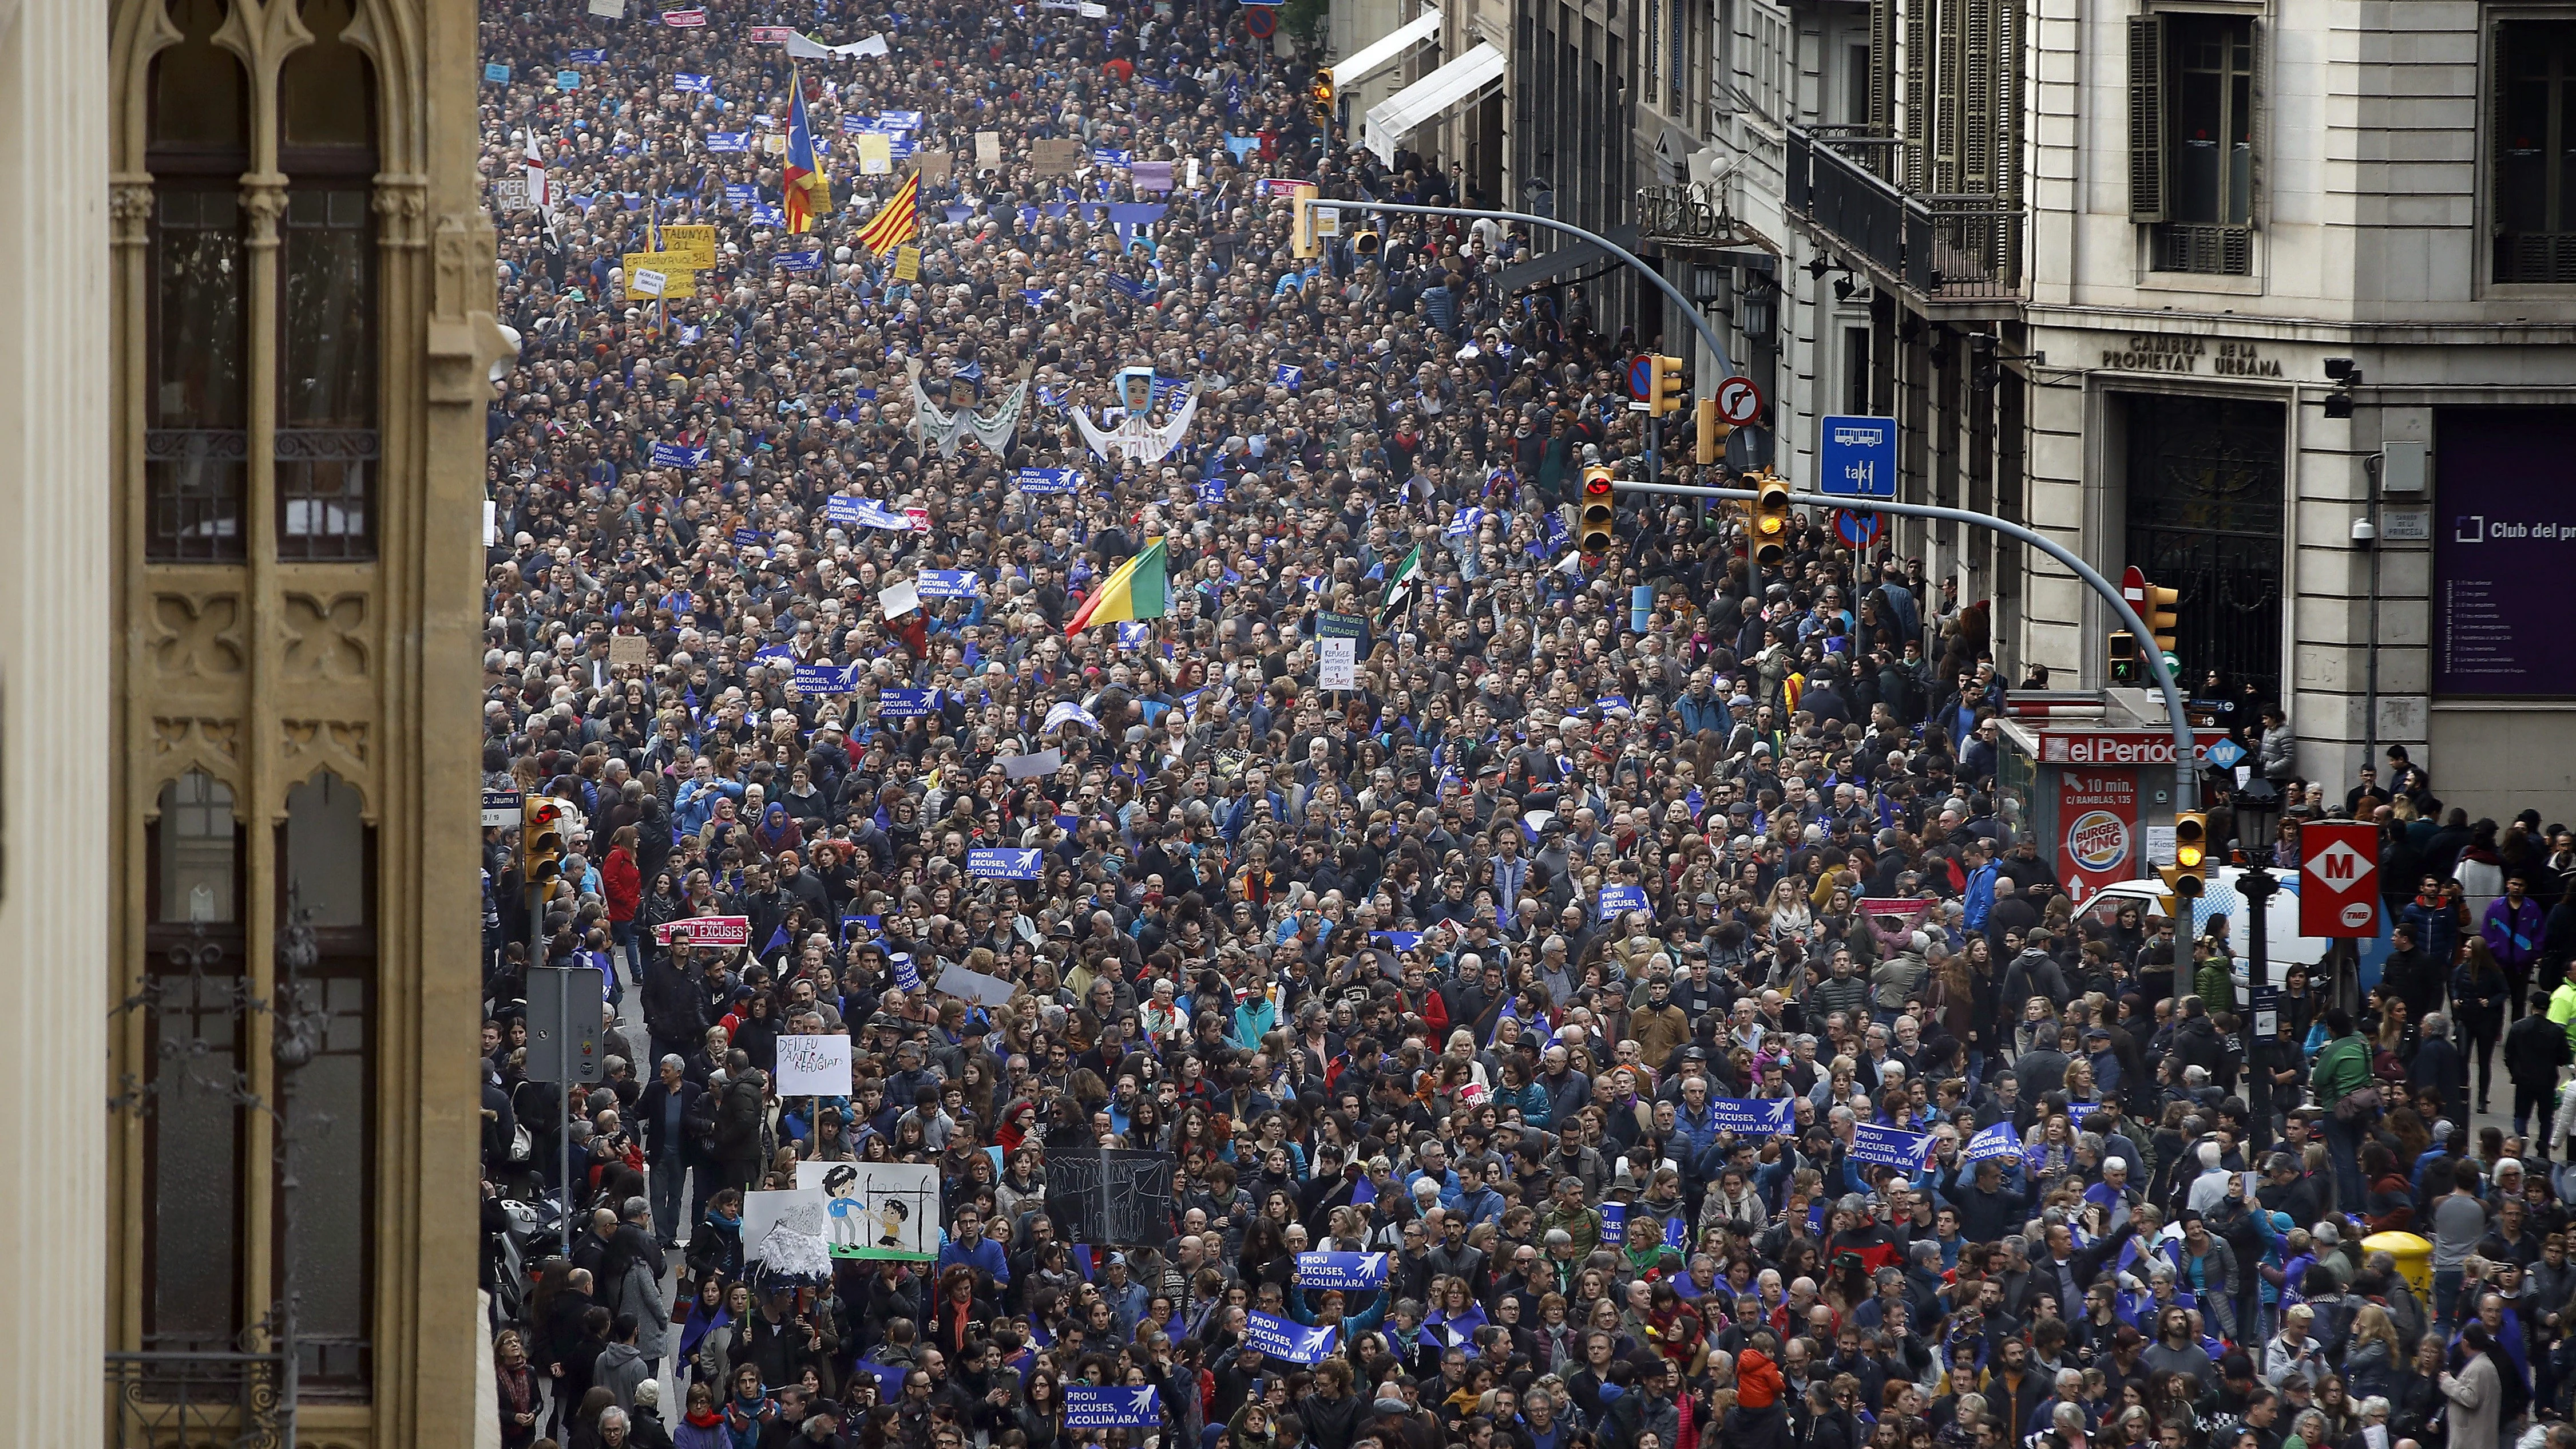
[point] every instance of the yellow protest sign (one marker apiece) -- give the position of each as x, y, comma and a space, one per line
678, 271
907, 264
876, 155
693, 241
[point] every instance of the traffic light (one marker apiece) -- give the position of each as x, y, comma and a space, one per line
2125, 668
2188, 876
1302, 241
1709, 433
541, 849
1770, 522
1666, 397
2159, 612
1364, 244
1320, 90
1599, 509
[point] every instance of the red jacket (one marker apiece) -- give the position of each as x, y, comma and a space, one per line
623, 883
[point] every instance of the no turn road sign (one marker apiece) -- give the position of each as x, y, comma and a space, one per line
1739, 401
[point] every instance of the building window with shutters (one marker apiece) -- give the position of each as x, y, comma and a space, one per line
2532, 151
2192, 147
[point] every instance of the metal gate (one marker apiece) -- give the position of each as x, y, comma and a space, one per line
2206, 509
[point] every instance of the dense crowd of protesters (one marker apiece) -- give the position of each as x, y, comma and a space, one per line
1343, 952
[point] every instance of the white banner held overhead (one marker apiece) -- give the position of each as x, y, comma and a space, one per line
813, 1066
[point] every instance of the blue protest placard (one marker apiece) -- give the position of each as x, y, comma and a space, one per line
731, 141
1617, 898
1291, 378
1614, 1222
1111, 1406
842, 508
697, 84
1856, 456
596, 55
737, 194
805, 261
998, 864
672, 455
899, 120
946, 583
497, 74
906, 703
1677, 1233
1350, 1272
567, 80
907, 977
749, 538
1281, 1339
1771, 1117
1995, 1142
1890, 1147
1047, 480
824, 678
1212, 491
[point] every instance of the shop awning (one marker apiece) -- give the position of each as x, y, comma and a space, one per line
1382, 52
1390, 121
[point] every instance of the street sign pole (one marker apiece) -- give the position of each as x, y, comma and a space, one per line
563, 1083
2186, 766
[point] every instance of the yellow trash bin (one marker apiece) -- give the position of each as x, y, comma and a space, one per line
2414, 1257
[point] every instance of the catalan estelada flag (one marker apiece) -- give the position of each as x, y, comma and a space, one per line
896, 222
1140, 589
809, 191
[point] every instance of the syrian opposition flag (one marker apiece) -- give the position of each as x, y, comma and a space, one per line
1140, 589
1400, 586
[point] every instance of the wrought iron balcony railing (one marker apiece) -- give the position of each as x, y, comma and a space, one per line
1942, 247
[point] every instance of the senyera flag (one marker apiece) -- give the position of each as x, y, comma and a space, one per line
896, 222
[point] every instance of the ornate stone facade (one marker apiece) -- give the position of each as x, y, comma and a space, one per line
266, 663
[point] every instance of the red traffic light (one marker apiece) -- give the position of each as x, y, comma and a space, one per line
1596, 487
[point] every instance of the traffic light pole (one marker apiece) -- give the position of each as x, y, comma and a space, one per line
2186, 766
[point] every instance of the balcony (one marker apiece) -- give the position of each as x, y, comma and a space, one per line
1958, 256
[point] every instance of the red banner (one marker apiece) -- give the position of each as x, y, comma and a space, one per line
2097, 829
706, 931
769, 34
2339, 879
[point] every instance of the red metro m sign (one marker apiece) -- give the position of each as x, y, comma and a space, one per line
2339, 879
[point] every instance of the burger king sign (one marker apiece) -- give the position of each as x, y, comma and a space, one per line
2097, 819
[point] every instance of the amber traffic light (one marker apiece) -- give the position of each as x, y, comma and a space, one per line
1770, 522
2188, 876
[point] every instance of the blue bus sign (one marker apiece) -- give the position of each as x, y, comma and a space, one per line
1856, 457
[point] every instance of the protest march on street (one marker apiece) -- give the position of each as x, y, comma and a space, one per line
1150, 885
